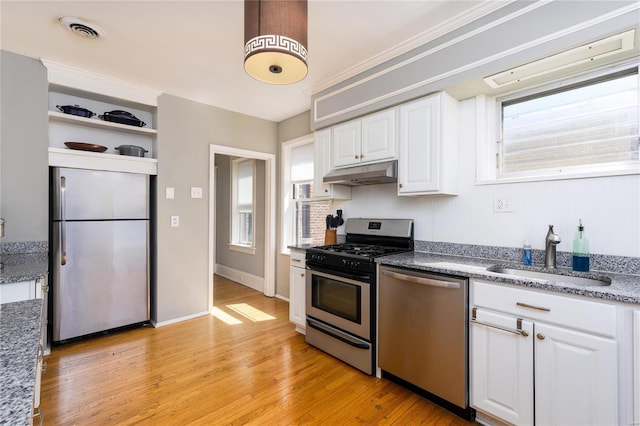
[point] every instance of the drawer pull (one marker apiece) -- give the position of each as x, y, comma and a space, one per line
296, 260
526, 305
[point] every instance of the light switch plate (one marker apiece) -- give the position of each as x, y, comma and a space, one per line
169, 193
175, 221
196, 192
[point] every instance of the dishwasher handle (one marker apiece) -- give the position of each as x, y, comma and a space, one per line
420, 280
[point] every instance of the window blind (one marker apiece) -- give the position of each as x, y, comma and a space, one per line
594, 123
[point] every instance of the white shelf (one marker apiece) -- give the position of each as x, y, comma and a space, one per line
63, 157
97, 123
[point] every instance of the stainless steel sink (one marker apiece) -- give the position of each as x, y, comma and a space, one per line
593, 280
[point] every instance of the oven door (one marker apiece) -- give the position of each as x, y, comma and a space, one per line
344, 303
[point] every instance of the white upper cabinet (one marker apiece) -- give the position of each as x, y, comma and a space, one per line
366, 140
428, 146
322, 166
346, 144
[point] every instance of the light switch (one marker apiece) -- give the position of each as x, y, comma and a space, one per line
169, 193
196, 192
175, 221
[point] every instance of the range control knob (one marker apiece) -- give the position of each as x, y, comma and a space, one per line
350, 263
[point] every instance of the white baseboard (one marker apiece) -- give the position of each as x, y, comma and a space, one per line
175, 320
244, 278
279, 296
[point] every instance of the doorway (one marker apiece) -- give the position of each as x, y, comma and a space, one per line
269, 187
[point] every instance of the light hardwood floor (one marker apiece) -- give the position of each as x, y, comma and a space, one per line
252, 369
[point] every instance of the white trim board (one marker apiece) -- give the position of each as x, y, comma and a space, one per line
252, 281
180, 319
68, 76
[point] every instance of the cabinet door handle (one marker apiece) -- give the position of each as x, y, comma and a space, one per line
302, 275
356, 156
400, 185
526, 305
540, 336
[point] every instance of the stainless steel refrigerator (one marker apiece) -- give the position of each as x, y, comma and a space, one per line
100, 251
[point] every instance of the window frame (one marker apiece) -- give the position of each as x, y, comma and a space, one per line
234, 243
489, 133
287, 225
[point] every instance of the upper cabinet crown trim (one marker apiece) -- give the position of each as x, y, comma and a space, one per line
511, 35
68, 76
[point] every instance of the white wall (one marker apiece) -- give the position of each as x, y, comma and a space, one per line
608, 206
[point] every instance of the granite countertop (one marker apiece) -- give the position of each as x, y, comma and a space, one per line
301, 246
23, 267
623, 288
20, 328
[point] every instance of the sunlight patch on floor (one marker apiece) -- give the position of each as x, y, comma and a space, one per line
250, 312
223, 316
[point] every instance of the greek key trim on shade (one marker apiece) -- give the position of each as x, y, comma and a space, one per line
275, 42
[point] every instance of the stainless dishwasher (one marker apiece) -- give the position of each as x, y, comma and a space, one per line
423, 334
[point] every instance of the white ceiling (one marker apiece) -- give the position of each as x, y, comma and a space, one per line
194, 49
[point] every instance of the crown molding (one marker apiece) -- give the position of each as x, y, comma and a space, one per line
68, 76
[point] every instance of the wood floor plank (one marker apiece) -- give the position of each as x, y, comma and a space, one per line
206, 371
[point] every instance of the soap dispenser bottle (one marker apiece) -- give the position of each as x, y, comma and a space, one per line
580, 250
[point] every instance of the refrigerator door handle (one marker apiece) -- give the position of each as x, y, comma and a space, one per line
63, 225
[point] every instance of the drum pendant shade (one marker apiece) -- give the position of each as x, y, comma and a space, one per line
275, 36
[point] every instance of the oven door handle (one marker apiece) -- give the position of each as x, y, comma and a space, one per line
348, 278
337, 334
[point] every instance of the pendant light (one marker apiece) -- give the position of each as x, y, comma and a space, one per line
275, 36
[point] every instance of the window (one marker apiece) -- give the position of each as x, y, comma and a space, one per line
586, 127
303, 216
242, 202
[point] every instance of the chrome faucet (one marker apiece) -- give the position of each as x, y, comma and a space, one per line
550, 243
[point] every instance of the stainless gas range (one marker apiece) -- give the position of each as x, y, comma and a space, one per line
341, 288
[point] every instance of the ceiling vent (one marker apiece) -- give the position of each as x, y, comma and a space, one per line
567, 60
81, 28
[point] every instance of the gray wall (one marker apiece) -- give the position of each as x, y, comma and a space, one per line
250, 263
24, 138
292, 128
185, 131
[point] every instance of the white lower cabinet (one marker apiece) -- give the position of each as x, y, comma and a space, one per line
575, 377
528, 367
501, 366
636, 366
297, 276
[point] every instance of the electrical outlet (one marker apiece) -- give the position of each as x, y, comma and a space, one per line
502, 205
175, 221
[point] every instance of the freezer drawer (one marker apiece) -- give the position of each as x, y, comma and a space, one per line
99, 195
102, 282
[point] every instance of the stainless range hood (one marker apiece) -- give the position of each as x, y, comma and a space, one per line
369, 174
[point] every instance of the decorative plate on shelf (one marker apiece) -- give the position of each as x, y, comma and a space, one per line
86, 146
